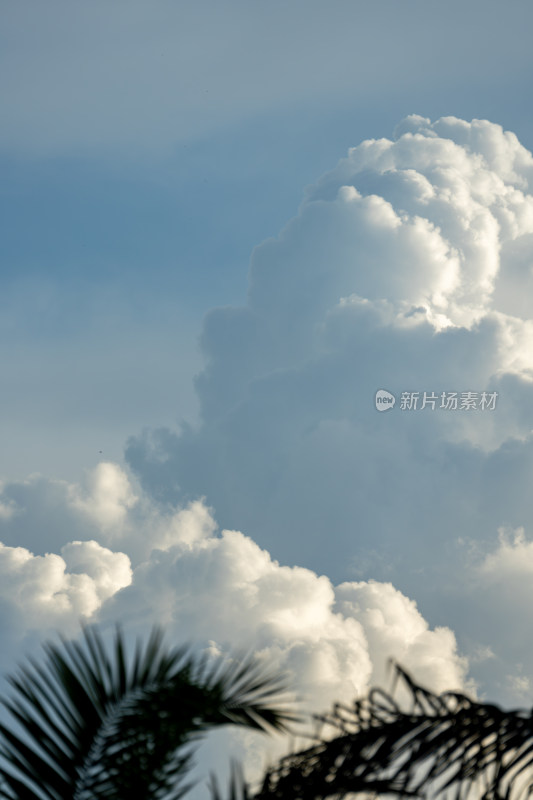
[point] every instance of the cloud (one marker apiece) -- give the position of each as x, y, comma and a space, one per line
407, 268
53, 592
399, 272
216, 589
227, 589
490, 612
211, 586
224, 593
44, 514
513, 557
393, 624
502, 577
333, 642
107, 496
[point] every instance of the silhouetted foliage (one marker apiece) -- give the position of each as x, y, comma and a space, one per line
89, 723
442, 744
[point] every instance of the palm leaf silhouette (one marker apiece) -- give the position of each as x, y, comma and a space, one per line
443, 744
89, 723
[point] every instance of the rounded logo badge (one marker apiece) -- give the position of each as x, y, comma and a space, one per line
384, 400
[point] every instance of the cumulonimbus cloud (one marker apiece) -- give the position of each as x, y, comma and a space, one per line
407, 268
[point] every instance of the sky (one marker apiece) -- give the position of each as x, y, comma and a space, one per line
226, 227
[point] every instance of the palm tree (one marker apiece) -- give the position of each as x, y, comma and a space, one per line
442, 743
89, 723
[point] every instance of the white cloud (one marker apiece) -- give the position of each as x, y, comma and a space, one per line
459, 193
107, 496
512, 558
393, 624
210, 587
44, 514
222, 592
402, 271
407, 268
225, 589
109, 571
48, 595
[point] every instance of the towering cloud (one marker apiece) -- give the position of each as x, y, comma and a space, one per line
407, 268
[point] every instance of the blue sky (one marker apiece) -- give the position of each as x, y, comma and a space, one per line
202, 290
144, 158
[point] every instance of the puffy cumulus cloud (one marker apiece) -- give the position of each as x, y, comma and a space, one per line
43, 514
513, 557
333, 642
421, 220
46, 515
107, 496
184, 526
227, 590
60, 553
218, 588
107, 570
221, 591
43, 593
392, 623
408, 268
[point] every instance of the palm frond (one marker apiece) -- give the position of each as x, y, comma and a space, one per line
89, 723
237, 788
441, 744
